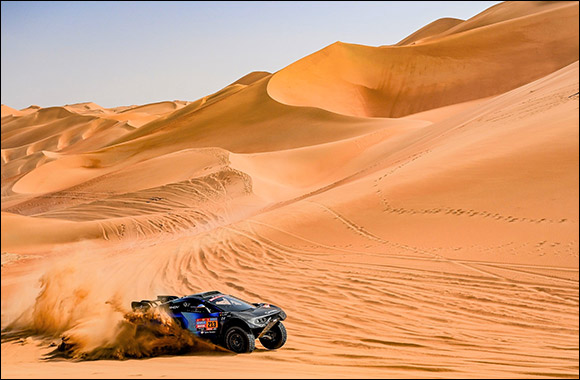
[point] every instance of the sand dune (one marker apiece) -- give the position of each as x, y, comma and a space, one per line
510, 10
84, 108
252, 77
413, 208
9, 111
397, 81
30, 109
434, 28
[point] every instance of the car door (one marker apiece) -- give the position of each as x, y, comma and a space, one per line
201, 319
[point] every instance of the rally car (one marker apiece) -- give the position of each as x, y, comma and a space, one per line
224, 319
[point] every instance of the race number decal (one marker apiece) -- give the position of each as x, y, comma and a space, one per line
207, 324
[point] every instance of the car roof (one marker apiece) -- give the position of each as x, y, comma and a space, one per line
206, 295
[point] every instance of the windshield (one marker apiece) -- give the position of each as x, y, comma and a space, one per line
229, 303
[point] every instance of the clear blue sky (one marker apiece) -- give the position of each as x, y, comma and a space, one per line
123, 53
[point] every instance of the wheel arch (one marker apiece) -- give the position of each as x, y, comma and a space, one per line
235, 322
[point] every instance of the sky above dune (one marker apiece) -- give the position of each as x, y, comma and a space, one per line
123, 53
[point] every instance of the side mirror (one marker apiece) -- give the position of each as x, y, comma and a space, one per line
201, 308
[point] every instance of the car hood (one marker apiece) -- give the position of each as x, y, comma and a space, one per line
261, 311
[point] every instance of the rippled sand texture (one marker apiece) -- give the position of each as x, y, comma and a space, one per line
412, 207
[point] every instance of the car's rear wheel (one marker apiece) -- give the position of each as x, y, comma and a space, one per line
239, 340
275, 338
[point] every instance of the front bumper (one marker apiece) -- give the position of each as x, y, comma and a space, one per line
270, 324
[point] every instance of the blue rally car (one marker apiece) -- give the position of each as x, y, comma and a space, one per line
224, 319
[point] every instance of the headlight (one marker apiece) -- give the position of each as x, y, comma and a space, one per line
261, 321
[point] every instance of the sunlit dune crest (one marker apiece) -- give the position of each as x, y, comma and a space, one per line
432, 29
412, 207
9, 111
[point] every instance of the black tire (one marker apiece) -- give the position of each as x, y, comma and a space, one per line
239, 340
275, 338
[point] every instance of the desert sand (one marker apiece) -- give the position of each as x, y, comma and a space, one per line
412, 207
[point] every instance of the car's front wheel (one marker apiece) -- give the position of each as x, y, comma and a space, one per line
239, 340
275, 338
